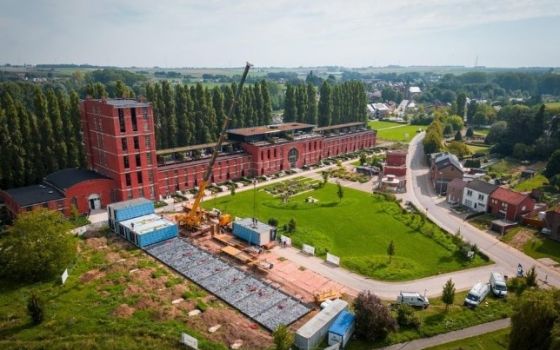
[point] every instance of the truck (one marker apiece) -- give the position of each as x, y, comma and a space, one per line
413, 299
498, 284
477, 294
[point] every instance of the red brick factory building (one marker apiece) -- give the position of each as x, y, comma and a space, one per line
123, 162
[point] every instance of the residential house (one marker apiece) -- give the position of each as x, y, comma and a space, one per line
380, 110
509, 204
444, 168
455, 191
395, 163
476, 194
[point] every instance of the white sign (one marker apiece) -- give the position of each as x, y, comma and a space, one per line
189, 341
285, 240
333, 259
308, 249
64, 276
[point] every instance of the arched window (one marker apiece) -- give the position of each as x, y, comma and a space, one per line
293, 157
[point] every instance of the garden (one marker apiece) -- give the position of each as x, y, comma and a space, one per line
358, 227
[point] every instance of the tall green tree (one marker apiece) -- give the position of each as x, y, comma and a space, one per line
59, 149
290, 106
267, 105
391, 250
6, 175
301, 104
461, 103
75, 117
312, 108
448, 293
44, 124
325, 105
169, 114
72, 147
471, 111
15, 152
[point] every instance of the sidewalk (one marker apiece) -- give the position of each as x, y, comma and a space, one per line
451, 336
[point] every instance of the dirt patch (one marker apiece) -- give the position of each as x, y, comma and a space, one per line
97, 242
123, 311
233, 326
519, 240
91, 275
112, 257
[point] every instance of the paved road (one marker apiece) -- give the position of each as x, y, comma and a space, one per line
474, 331
419, 191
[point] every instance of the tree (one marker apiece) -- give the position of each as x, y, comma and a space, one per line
325, 175
273, 222
448, 293
44, 124
267, 105
458, 136
553, 165
461, 103
312, 110
35, 309
38, 246
534, 315
471, 111
531, 277
339, 191
470, 132
391, 250
292, 225
448, 130
406, 317
373, 319
496, 133
325, 104
363, 158
283, 338
301, 104
232, 189
290, 107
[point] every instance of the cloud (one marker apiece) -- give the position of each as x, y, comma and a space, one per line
224, 33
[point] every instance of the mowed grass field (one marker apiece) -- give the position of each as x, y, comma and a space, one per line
498, 340
391, 131
358, 229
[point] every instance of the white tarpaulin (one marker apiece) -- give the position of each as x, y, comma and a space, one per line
189, 341
64, 276
333, 259
285, 240
308, 249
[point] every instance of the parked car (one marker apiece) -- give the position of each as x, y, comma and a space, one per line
477, 294
498, 284
413, 299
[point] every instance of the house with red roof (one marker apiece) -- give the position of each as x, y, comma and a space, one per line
509, 204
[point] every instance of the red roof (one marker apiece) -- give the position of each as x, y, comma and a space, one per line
508, 196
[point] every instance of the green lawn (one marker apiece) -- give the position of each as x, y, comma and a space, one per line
498, 340
482, 131
435, 320
391, 131
535, 182
478, 149
358, 229
542, 247
84, 313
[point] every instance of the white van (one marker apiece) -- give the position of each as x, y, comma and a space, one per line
477, 294
413, 299
498, 284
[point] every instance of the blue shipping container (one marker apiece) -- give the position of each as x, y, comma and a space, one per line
127, 210
342, 328
255, 233
158, 236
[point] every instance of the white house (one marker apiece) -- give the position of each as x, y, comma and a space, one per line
476, 194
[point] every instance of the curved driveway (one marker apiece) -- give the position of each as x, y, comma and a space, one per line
419, 192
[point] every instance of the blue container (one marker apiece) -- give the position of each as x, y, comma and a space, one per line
255, 233
342, 328
127, 210
157, 236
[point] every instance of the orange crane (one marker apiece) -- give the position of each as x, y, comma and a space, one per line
193, 218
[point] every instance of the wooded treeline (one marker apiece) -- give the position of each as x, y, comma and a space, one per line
337, 103
187, 115
39, 133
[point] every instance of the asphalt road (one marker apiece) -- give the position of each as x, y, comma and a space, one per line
419, 192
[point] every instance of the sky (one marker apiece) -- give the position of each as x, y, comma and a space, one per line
281, 33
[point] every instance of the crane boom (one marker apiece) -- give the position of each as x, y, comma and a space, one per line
193, 217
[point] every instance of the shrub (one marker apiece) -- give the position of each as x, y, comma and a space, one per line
35, 309
373, 319
406, 317
201, 305
273, 222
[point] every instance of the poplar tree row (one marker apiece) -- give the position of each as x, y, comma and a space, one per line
337, 104
188, 115
39, 133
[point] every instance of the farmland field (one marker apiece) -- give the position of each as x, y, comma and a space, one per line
391, 131
358, 229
